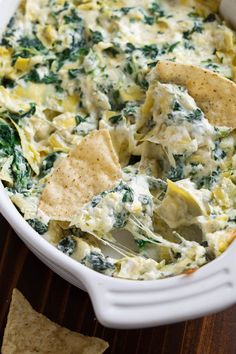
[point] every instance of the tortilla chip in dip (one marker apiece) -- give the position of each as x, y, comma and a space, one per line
214, 94
88, 170
28, 331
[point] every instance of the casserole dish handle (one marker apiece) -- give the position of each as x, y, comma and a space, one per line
127, 304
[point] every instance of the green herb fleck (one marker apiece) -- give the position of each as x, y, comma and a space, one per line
114, 120
149, 20
38, 226
67, 245
17, 116
121, 219
141, 243
50, 78
96, 37
7, 82
177, 107
197, 28
176, 173
74, 73
48, 164
73, 17
210, 18
128, 196
196, 115
97, 262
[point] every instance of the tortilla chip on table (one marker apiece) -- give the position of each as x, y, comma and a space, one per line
29, 332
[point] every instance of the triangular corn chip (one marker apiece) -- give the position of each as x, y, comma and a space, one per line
88, 170
29, 332
214, 94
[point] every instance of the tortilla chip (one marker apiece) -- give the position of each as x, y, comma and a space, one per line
89, 169
214, 94
29, 332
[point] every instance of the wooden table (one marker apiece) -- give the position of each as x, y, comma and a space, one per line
71, 307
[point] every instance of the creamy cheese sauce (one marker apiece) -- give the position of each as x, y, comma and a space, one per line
70, 67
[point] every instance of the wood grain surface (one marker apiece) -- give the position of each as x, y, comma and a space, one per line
71, 307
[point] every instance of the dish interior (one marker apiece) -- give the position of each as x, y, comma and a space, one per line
115, 168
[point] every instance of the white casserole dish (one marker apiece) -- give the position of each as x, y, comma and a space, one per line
131, 304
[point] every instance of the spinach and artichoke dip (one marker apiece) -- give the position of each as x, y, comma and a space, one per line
68, 68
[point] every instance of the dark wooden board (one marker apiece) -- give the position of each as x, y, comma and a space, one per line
71, 307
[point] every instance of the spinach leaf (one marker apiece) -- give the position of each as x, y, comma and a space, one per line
96, 200
155, 9
78, 48
7, 36
34, 43
209, 64
157, 183
177, 107
20, 168
197, 28
73, 73
172, 47
176, 173
129, 48
79, 119
193, 15
73, 17
16, 117
121, 219
149, 20
64, 8
71, 54
188, 45
28, 47
129, 67
114, 50
8, 138
21, 171
115, 99
128, 196
210, 18
142, 82
7, 82
204, 244
23, 53
134, 70
125, 10
218, 152
38, 226
150, 51
98, 262
96, 37
48, 163
114, 120
50, 78
76, 232
208, 181
141, 243
197, 115
130, 109
67, 245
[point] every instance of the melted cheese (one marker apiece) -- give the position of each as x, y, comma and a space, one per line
68, 68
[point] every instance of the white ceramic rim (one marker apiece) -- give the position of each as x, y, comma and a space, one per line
125, 304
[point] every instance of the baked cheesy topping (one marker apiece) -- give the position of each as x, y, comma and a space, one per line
68, 68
